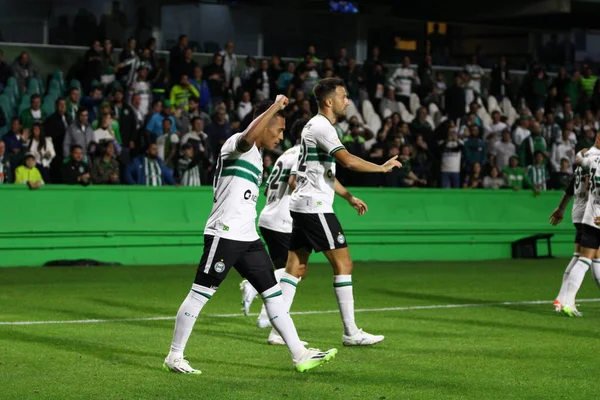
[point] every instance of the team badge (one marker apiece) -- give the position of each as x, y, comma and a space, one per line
341, 239
219, 267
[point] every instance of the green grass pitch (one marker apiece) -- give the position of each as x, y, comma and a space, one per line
520, 350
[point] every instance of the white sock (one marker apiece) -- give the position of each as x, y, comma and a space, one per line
263, 311
186, 317
596, 270
563, 287
342, 284
281, 320
288, 285
575, 279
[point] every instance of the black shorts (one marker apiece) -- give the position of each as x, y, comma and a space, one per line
590, 238
316, 232
278, 244
578, 232
250, 259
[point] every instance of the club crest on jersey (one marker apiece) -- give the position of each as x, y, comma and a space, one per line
219, 267
341, 239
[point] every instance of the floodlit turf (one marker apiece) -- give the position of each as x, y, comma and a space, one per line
494, 352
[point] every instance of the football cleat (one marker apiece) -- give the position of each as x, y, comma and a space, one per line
313, 358
571, 311
361, 338
179, 365
557, 306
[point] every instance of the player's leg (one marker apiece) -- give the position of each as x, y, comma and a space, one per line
560, 299
218, 257
255, 265
596, 268
590, 241
327, 235
278, 244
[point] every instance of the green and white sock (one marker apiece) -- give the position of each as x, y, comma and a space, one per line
575, 279
263, 311
281, 320
186, 317
342, 285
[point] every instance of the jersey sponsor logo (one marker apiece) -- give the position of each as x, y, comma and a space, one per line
219, 267
341, 239
249, 196
319, 203
225, 228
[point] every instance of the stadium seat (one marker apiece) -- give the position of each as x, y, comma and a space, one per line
353, 111
24, 104
55, 87
48, 105
58, 76
33, 86
493, 104
404, 114
415, 103
372, 119
435, 113
75, 83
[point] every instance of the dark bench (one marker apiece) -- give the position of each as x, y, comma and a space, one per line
527, 247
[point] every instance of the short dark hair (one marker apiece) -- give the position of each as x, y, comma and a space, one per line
167, 120
75, 146
59, 100
263, 106
325, 88
297, 127
81, 110
35, 96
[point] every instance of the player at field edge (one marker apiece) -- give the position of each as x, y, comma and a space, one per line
315, 226
231, 240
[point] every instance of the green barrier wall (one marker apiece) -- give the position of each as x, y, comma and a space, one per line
145, 226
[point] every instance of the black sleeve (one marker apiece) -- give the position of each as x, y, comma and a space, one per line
570, 190
69, 175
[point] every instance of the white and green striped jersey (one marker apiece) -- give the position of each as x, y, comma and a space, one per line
580, 194
591, 163
153, 172
236, 188
315, 179
144, 90
191, 177
276, 214
538, 176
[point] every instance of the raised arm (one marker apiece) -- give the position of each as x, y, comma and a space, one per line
359, 165
256, 127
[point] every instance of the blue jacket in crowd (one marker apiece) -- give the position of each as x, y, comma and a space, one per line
135, 174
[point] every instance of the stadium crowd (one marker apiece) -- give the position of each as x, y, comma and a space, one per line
134, 118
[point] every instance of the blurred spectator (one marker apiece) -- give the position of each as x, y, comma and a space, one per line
142, 88
521, 132
148, 170
455, 99
73, 98
537, 173
588, 81
28, 173
369, 64
79, 133
475, 73
500, 80
587, 140
493, 134
92, 65
562, 178
155, 123
110, 66
75, 171
229, 62
403, 80
4, 71
312, 76
560, 82
474, 148
167, 143
247, 72
6, 170
285, 77
105, 132
514, 175
420, 125
452, 150
562, 149
275, 70
55, 127
202, 88
493, 180
22, 70
42, 149
188, 167
93, 102
181, 92
160, 80
35, 114
187, 66
504, 150
539, 90
574, 91
199, 140
129, 59
219, 131
474, 180
125, 118
534, 143
244, 106
375, 85
353, 78
551, 131
422, 162
105, 169
16, 137
552, 101
426, 77
176, 56
215, 75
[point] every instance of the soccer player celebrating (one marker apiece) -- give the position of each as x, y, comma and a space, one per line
315, 226
275, 222
590, 237
578, 188
231, 240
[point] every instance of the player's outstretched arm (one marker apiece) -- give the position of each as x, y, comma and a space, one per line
359, 165
557, 215
256, 127
354, 202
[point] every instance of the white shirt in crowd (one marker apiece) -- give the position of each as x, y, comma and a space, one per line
144, 89
402, 81
493, 134
520, 134
161, 143
41, 155
503, 152
562, 150
476, 73
244, 108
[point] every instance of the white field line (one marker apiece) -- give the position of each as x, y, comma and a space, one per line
363, 310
